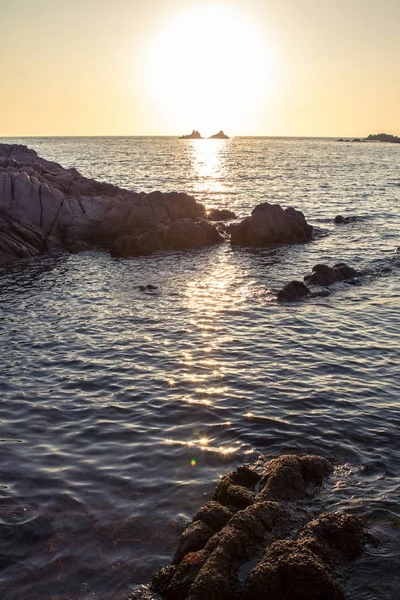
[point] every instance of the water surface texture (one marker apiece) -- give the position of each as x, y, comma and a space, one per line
120, 409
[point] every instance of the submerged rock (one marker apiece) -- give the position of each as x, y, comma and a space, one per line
226, 534
340, 220
271, 224
44, 207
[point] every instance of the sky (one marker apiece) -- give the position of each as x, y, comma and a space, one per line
165, 67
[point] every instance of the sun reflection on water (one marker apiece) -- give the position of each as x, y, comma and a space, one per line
209, 164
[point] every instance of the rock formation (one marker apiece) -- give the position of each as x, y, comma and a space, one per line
239, 524
195, 135
44, 207
271, 224
383, 137
340, 220
219, 136
324, 275
294, 290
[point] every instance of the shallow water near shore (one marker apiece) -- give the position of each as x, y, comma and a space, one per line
120, 409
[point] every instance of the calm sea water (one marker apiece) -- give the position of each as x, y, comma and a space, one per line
120, 409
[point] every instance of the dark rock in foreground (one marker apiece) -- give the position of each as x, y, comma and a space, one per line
239, 524
271, 224
220, 214
44, 207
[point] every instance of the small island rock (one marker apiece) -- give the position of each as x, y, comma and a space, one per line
219, 136
195, 135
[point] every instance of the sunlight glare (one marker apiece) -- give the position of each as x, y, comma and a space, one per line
210, 69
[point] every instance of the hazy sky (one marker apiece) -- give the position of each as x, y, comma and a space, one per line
164, 67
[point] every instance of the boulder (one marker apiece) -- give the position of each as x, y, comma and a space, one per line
293, 291
324, 275
195, 135
271, 224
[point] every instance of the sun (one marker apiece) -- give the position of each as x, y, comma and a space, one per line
209, 69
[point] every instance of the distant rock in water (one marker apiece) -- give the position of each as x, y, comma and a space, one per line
219, 136
305, 557
271, 224
340, 220
293, 291
220, 214
324, 275
45, 208
195, 135
383, 137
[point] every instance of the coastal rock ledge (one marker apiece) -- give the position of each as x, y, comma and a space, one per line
256, 541
45, 208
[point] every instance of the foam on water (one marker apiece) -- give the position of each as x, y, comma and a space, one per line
121, 408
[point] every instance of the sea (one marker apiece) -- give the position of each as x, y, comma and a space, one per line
120, 409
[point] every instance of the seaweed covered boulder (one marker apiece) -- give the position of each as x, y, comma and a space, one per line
310, 567
252, 515
271, 224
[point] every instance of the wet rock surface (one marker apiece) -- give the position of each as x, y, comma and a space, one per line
271, 224
294, 290
340, 220
324, 275
45, 208
227, 533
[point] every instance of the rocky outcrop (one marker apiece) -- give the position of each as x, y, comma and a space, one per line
219, 136
241, 522
324, 275
294, 290
44, 207
271, 224
195, 135
383, 137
